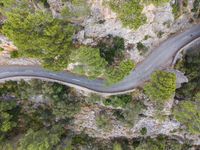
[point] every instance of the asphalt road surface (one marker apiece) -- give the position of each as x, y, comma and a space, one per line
157, 59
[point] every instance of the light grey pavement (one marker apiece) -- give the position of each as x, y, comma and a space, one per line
157, 59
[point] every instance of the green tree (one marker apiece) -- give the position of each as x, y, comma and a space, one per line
37, 34
161, 87
7, 118
43, 139
187, 112
117, 73
90, 61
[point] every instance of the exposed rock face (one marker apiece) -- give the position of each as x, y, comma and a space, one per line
160, 24
55, 7
180, 77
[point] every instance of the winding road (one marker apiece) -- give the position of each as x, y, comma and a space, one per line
158, 58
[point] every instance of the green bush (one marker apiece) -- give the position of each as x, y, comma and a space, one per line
91, 62
196, 9
43, 139
142, 48
38, 35
117, 73
130, 114
103, 121
187, 113
117, 146
160, 143
118, 101
161, 87
156, 2
14, 54
143, 131
111, 48
190, 66
129, 12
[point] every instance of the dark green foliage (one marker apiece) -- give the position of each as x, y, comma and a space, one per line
111, 48
196, 8
129, 12
67, 107
160, 143
142, 48
37, 34
176, 9
118, 101
130, 114
143, 131
8, 118
161, 87
190, 66
103, 121
117, 73
187, 112
91, 62
14, 54
43, 139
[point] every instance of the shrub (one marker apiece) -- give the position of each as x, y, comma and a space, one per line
130, 114
116, 74
112, 48
14, 54
39, 35
160, 143
103, 121
143, 131
196, 9
117, 146
142, 48
118, 101
190, 66
129, 12
91, 62
156, 2
187, 112
161, 87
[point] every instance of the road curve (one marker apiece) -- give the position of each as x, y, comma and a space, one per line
158, 58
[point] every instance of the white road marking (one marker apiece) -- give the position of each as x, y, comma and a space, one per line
76, 80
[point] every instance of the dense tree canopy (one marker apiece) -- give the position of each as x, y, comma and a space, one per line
38, 35
91, 63
43, 139
187, 112
161, 86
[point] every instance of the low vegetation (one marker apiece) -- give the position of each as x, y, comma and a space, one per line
91, 63
47, 39
129, 12
161, 87
187, 110
156, 2
196, 9
77, 11
117, 73
103, 121
160, 143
